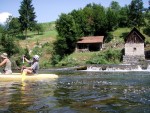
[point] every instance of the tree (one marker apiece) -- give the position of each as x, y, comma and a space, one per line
91, 20
148, 11
14, 27
1, 33
1, 28
27, 16
115, 6
149, 4
135, 15
8, 42
112, 19
39, 28
67, 34
147, 16
9, 45
6, 26
100, 20
80, 21
123, 16
88, 20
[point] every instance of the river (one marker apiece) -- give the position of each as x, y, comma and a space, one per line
79, 92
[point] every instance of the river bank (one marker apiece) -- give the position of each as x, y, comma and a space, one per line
99, 67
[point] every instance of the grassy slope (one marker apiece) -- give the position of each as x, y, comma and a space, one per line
50, 35
47, 36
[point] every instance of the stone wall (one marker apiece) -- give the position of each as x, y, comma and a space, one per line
134, 49
129, 59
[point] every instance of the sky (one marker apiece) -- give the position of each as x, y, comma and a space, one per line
49, 10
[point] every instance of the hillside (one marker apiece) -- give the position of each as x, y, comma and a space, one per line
49, 36
41, 44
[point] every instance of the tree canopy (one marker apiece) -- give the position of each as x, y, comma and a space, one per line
27, 16
13, 26
135, 14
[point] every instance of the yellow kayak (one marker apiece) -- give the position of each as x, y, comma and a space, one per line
18, 77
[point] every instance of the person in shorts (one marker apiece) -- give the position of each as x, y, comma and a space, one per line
33, 69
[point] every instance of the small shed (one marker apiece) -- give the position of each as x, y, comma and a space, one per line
134, 47
90, 43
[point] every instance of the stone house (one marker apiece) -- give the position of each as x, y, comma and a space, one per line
89, 43
134, 47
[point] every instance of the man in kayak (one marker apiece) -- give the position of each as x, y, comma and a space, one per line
7, 63
33, 69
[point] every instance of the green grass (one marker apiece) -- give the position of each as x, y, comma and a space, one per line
119, 34
77, 58
82, 56
49, 31
49, 35
120, 31
46, 34
48, 26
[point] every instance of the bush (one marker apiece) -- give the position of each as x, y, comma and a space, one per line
37, 51
106, 57
147, 31
55, 59
45, 64
97, 60
109, 37
67, 62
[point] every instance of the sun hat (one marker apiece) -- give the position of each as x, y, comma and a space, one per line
36, 57
4, 55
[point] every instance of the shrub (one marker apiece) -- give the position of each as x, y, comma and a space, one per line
45, 64
67, 62
37, 50
106, 57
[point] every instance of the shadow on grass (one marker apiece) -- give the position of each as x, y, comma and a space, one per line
22, 37
124, 35
146, 31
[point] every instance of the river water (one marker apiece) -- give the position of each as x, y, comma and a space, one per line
79, 92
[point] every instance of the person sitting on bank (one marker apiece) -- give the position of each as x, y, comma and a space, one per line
7, 63
33, 69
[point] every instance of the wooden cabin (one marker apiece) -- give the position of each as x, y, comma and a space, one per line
90, 43
134, 47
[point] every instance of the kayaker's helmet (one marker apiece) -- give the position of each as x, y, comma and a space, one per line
36, 57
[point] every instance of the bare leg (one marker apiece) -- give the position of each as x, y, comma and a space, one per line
8, 72
27, 71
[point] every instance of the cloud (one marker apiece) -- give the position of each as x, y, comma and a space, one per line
4, 16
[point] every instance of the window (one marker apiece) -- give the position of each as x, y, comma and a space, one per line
134, 49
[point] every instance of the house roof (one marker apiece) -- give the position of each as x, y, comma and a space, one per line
91, 39
134, 37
